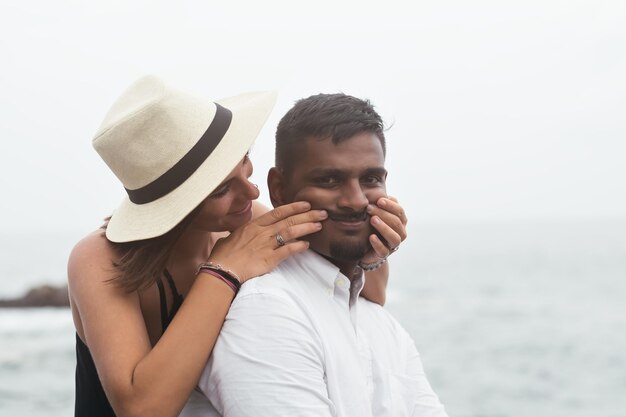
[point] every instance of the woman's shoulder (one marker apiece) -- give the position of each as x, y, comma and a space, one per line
93, 251
94, 242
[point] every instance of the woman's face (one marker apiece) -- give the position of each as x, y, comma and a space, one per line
230, 204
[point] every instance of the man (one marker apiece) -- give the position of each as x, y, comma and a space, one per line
300, 341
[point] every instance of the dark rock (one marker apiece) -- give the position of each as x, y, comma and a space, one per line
41, 296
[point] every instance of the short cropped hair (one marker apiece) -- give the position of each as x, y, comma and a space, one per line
322, 116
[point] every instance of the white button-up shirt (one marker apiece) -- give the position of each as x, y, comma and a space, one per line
300, 341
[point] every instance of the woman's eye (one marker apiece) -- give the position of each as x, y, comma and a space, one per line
220, 193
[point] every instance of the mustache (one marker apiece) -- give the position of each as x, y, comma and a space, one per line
348, 217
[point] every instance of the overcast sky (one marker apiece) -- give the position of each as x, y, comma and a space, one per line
500, 109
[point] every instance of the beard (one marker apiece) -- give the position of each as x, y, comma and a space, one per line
348, 251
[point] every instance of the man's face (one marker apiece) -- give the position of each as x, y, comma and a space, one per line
342, 179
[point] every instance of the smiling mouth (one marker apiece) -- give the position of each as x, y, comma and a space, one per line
243, 210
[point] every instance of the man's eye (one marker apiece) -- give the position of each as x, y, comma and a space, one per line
371, 179
326, 180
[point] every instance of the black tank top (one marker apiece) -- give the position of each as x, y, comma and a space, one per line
91, 400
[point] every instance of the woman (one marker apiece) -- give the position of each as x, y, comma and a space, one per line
183, 162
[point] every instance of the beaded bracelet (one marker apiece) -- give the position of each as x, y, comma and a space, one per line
225, 275
372, 265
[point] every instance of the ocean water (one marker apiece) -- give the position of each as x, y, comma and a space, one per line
524, 319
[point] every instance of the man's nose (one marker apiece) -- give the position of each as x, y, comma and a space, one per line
352, 196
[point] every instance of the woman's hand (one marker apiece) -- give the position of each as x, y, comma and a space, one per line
256, 248
389, 220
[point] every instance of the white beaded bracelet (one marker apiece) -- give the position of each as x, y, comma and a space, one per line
372, 265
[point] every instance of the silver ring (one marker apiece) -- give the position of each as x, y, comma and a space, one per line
392, 250
280, 240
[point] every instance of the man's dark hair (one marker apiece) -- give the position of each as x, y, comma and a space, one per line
322, 116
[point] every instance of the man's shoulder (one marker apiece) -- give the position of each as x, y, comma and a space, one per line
276, 281
379, 318
273, 282
295, 275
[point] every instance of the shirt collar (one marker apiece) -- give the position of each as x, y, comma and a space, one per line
328, 273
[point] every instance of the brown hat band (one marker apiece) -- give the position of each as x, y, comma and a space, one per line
188, 164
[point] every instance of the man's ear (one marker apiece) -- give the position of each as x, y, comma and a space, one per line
276, 186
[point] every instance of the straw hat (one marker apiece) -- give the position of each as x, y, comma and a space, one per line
171, 149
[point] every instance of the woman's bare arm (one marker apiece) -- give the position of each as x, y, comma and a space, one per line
141, 380
375, 288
